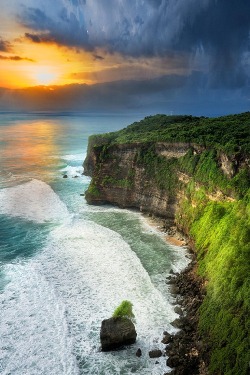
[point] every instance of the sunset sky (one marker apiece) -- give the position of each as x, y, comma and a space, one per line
169, 54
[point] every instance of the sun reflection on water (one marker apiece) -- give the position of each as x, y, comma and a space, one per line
31, 144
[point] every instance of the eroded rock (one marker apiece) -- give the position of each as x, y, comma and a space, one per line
116, 332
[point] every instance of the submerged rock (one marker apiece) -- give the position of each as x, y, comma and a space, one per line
65, 176
116, 332
138, 353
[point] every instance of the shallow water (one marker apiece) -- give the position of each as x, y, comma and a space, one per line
65, 265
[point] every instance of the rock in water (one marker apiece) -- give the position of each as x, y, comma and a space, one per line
156, 353
116, 332
138, 353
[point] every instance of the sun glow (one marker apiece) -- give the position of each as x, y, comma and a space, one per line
44, 76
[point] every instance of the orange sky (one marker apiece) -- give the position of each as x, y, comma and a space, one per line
26, 64
48, 64
45, 64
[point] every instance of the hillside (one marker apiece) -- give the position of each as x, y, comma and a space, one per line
193, 171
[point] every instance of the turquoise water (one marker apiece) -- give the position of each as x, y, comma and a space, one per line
65, 265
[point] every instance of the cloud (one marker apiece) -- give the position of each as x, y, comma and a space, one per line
111, 96
98, 57
137, 69
214, 33
4, 45
221, 32
141, 28
33, 37
16, 58
56, 24
166, 94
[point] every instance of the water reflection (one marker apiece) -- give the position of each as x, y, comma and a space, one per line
29, 145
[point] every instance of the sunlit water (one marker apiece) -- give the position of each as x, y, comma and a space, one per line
64, 265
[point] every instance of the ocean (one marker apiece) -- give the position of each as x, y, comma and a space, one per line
65, 265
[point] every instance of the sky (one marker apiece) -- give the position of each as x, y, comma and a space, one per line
168, 56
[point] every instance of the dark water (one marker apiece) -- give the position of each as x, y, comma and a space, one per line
64, 265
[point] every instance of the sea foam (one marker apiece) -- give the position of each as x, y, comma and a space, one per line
74, 157
71, 171
33, 200
53, 304
61, 297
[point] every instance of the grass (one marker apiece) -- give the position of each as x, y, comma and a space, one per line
124, 310
221, 231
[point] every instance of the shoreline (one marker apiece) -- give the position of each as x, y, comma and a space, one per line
186, 352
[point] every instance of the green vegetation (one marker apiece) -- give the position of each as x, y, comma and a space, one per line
93, 189
229, 133
124, 310
204, 169
121, 183
158, 168
221, 231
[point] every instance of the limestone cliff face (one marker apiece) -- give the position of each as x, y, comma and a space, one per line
120, 177
124, 175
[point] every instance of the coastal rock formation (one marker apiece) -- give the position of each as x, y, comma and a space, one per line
186, 352
116, 332
124, 181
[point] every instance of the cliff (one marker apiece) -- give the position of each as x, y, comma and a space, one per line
123, 179
196, 172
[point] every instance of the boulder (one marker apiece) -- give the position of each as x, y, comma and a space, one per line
178, 311
116, 332
167, 338
156, 353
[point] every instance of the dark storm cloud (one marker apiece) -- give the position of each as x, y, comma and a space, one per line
16, 58
140, 28
222, 31
64, 28
215, 33
4, 46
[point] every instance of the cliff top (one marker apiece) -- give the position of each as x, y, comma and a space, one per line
230, 134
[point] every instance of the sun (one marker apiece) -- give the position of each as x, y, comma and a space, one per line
45, 76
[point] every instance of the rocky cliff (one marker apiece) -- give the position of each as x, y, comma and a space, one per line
193, 171
131, 175
121, 178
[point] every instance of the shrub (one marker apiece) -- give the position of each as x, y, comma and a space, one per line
124, 310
